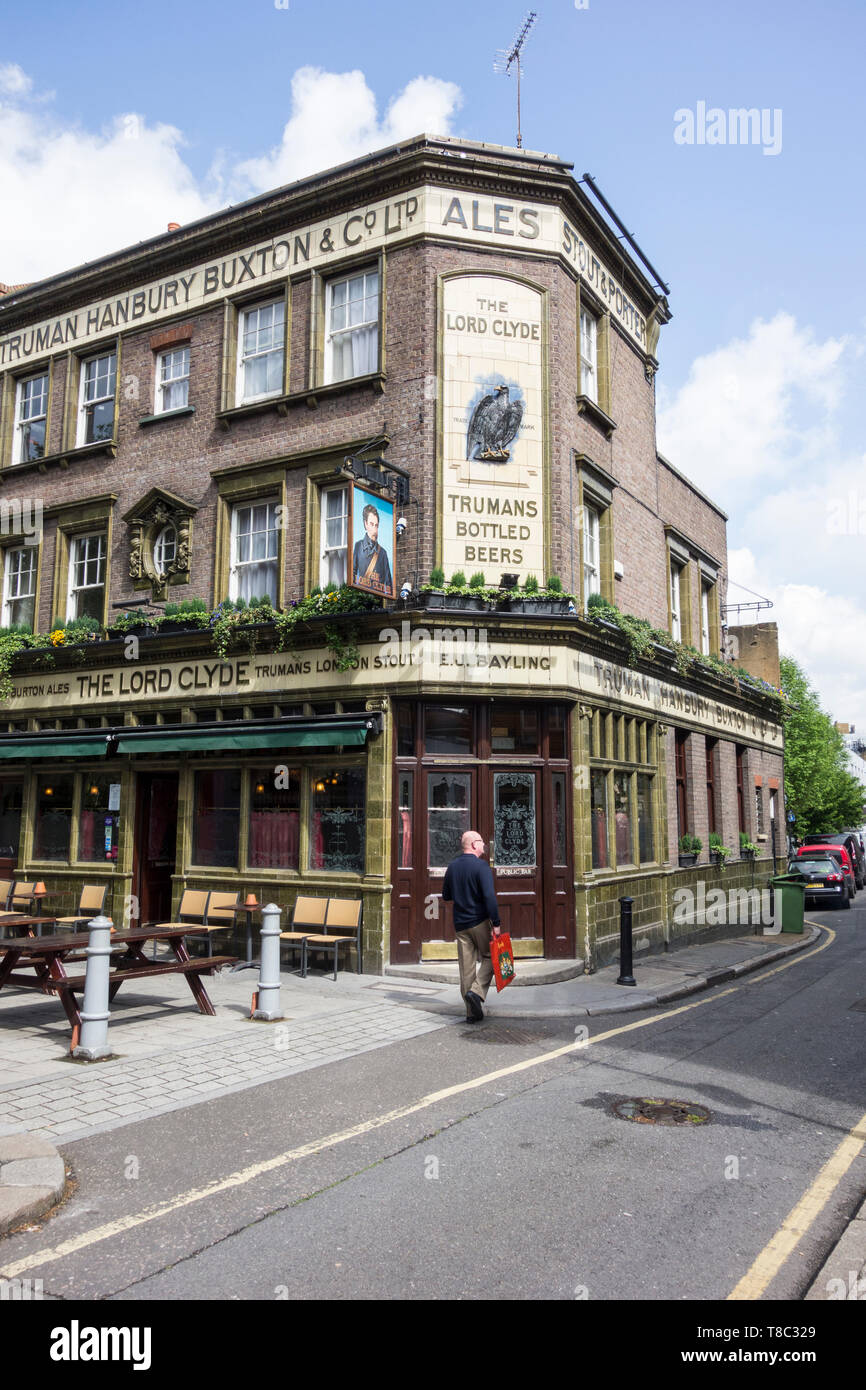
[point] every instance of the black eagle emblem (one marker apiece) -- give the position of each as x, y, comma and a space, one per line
495, 421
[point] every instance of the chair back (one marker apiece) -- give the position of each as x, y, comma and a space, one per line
193, 904
22, 895
309, 912
92, 900
344, 914
220, 909
5, 893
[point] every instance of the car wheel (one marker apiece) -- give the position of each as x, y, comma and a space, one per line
847, 902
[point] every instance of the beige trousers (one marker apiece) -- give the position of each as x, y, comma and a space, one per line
473, 954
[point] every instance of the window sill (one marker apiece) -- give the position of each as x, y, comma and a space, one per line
166, 415
310, 397
62, 460
599, 417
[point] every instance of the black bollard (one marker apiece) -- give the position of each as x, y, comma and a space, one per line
625, 966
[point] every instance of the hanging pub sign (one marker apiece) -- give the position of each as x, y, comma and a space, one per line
371, 543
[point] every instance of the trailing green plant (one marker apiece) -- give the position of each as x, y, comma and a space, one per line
341, 639
723, 851
746, 845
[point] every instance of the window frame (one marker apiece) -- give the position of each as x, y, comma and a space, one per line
8, 552
72, 590
588, 365
324, 550
250, 504
623, 746
375, 267
81, 440
160, 384
591, 541
675, 596
17, 423
243, 310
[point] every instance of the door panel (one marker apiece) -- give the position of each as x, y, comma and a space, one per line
155, 844
514, 846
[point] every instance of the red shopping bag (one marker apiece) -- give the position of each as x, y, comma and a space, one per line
503, 960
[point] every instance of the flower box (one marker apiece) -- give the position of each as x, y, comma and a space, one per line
688, 861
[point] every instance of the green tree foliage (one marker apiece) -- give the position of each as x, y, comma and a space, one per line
819, 789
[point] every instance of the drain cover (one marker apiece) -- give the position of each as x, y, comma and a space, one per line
644, 1110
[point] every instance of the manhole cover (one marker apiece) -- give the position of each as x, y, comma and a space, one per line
644, 1110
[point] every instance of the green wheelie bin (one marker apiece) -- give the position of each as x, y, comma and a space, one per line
789, 900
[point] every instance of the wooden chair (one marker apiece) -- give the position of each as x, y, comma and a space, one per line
343, 927
6, 886
90, 905
308, 915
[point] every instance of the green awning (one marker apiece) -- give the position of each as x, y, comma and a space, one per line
193, 740
70, 747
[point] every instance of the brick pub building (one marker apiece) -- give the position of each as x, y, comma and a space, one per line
456, 328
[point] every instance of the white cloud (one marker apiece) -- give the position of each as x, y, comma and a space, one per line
14, 80
823, 630
334, 119
758, 424
754, 410
110, 189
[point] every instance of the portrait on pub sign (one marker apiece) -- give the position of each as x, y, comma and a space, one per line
371, 543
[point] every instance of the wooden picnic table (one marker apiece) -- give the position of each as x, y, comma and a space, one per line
47, 957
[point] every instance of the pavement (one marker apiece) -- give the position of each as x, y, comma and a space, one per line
169, 1057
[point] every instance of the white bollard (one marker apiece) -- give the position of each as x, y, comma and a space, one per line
93, 1043
268, 1002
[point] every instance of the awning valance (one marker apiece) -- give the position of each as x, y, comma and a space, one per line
191, 738
68, 747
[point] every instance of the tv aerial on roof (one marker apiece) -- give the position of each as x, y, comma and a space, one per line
513, 56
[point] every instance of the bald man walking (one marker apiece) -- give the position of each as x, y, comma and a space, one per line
469, 886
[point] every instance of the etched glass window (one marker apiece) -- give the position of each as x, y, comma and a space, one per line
560, 836
337, 820
514, 824
275, 816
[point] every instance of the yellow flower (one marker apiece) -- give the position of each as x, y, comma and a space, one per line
58, 637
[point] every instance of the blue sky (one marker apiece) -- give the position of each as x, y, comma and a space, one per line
762, 252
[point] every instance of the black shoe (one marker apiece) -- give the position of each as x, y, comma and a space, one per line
475, 1006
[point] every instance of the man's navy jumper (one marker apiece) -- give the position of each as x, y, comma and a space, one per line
469, 885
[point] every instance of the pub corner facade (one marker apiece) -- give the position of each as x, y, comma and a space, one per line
198, 415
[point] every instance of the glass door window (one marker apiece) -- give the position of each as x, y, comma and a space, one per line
515, 830
448, 815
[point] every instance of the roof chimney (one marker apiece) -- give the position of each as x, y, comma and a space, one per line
174, 226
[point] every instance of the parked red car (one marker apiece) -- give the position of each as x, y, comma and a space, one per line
837, 852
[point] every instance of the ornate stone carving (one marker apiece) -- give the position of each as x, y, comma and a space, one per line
159, 541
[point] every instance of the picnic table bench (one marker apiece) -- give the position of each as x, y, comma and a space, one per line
47, 956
